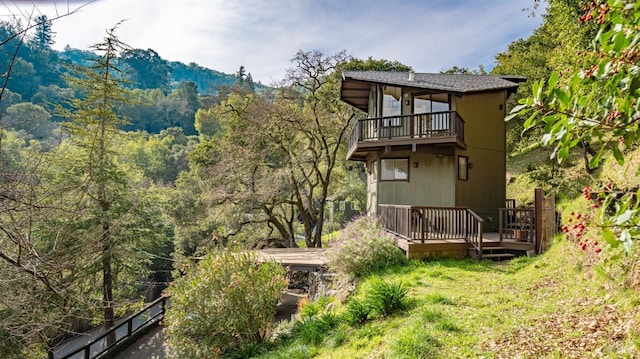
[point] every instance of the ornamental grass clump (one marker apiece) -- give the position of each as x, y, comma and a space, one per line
386, 298
224, 305
363, 247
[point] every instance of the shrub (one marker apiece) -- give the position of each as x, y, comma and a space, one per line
362, 247
311, 309
248, 350
415, 342
294, 351
228, 302
356, 312
437, 298
314, 330
385, 298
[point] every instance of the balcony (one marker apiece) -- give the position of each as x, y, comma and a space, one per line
435, 128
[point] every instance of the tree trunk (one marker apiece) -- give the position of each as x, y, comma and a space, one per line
107, 285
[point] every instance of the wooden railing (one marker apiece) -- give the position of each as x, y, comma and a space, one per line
152, 314
427, 223
517, 224
424, 125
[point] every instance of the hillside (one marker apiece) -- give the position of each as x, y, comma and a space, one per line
570, 302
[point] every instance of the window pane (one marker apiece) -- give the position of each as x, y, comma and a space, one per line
387, 171
463, 168
394, 169
391, 101
401, 169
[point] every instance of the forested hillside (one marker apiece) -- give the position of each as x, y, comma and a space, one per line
119, 169
164, 94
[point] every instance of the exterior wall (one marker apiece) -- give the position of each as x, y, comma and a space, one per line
485, 189
372, 185
431, 183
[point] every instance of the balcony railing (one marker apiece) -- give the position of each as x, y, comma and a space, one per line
419, 126
418, 223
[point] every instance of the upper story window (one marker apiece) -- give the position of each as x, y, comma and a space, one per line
394, 169
429, 103
392, 106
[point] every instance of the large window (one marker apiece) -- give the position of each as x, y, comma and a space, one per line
394, 169
391, 106
429, 103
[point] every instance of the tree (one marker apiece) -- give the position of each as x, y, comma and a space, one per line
465, 71
244, 80
32, 119
39, 296
207, 124
185, 96
555, 45
146, 69
274, 166
595, 104
105, 202
43, 38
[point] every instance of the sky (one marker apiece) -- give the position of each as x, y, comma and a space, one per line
263, 36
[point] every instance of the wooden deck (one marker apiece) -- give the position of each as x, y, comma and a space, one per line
493, 247
299, 259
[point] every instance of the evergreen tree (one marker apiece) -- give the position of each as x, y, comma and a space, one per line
43, 38
106, 200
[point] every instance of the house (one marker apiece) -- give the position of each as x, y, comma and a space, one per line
434, 149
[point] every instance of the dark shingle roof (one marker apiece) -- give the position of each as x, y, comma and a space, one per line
457, 83
357, 84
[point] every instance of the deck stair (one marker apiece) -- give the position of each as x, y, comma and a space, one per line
493, 252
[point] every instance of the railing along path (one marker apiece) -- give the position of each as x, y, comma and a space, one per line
152, 314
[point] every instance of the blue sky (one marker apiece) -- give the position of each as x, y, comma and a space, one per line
429, 35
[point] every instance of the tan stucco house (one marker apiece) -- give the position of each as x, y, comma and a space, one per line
431, 139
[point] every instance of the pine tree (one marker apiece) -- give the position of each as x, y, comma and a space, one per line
43, 38
94, 127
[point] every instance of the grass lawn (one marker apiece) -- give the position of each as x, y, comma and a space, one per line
551, 306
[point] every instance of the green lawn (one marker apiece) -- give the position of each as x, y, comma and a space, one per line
551, 306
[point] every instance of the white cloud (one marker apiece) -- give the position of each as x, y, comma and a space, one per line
264, 35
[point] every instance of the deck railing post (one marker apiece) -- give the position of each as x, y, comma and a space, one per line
479, 239
411, 124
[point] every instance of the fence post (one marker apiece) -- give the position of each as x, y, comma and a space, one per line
539, 197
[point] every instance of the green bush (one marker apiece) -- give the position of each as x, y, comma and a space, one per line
294, 351
356, 312
314, 330
314, 308
363, 247
415, 342
385, 298
228, 302
248, 350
